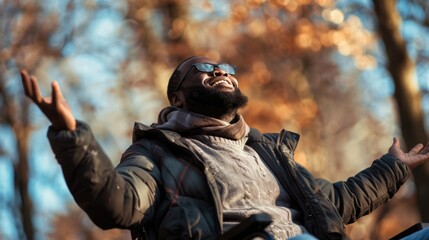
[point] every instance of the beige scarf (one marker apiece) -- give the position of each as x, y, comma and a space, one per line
189, 123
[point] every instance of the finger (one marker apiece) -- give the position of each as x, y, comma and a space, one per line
425, 150
56, 93
26, 83
416, 149
36, 94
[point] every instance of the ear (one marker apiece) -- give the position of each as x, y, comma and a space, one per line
177, 99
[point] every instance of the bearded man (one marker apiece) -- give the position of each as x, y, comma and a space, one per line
201, 170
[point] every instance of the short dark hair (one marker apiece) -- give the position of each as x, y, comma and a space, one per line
174, 80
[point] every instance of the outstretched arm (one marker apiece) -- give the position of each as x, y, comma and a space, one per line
372, 187
55, 107
416, 156
111, 197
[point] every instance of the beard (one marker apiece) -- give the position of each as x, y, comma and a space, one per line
212, 102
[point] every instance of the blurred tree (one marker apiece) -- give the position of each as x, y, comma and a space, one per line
407, 92
21, 45
158, 43
402, 28
75, 224
36, 35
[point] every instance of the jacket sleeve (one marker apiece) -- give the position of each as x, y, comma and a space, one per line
118, 197
367, 190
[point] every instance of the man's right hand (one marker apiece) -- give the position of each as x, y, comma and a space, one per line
55, 107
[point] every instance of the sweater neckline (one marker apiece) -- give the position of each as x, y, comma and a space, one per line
210, 139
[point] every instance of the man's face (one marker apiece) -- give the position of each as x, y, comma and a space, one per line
212, 93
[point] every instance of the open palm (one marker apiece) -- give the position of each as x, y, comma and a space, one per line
55, 107
416, 156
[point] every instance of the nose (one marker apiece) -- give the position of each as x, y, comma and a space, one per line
219, 72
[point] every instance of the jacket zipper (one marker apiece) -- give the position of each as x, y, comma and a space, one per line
284, 162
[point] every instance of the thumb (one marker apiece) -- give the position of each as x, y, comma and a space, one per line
395, 145
396, 142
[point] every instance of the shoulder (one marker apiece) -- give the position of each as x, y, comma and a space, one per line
283, 136
142, 131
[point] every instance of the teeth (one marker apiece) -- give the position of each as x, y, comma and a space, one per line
219, 82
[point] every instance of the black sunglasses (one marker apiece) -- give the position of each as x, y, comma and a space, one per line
208, 68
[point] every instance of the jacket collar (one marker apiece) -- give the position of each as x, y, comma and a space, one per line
141, 130
290, 139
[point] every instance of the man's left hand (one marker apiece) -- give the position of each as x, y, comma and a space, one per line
416, 156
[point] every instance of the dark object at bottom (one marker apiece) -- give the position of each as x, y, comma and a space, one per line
252, 227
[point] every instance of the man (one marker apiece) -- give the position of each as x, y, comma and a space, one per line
201, 170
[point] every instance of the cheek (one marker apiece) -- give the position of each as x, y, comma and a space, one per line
196, 80
234, 80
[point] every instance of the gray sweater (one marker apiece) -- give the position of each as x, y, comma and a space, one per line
246, 185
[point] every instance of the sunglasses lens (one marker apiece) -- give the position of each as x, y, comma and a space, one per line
204, 67
227, 68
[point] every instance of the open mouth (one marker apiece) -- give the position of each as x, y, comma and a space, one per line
223, 82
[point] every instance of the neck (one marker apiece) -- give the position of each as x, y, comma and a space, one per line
215, 113
227, 117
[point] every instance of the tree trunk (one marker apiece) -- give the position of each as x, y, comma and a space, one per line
21, 129
407, 94
21, 182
